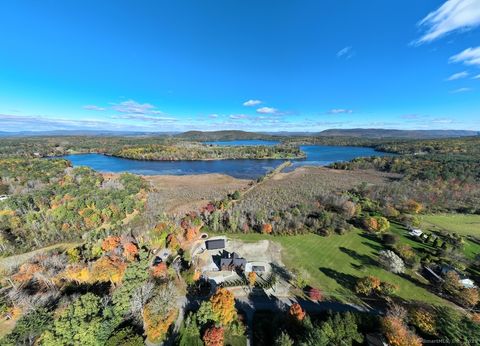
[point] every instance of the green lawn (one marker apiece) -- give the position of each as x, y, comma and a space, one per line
464, 224
334, 263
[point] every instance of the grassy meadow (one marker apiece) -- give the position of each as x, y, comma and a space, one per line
463, 224
334, 263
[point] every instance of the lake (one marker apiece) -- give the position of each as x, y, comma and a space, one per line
317, 155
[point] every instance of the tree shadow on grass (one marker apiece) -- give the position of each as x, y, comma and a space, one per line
375, 247
344, 280
363, 259
416, 282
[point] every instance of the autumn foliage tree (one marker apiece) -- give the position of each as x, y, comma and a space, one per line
376, 223
397, 333
469, 297
223, 306
213, 336
267, 228
314, 294
367, 285
296, 312
252, 278
110, 243
423, 320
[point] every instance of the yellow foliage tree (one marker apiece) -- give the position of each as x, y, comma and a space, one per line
156, 325
252, 278
223, 305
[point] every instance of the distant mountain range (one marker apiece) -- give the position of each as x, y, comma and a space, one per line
239, 135
386, 133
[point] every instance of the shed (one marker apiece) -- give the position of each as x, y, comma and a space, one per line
215, 244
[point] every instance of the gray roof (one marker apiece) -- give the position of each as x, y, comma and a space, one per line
233, 261
215, 244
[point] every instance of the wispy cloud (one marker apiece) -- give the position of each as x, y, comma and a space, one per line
452, 16
339, 111
37, 123
133, 107
458, 75
267, 110
470, 56
93, 108
238, 116
213, 116
147, 118
460, 90
251, 103
476, 77
346, 52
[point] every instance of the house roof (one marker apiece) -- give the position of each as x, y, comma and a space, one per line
234, 260
215, 244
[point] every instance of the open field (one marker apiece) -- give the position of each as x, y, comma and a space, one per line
463, 224
305, 184
181, 194
334, 263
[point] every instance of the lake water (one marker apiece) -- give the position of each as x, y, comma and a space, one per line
317, 155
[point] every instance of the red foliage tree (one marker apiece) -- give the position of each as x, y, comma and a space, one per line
314, 294
214, 336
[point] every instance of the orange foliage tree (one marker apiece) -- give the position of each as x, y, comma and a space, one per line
130, 251
413, 206
267, 228
160, 270
397, 333
252, 278
223, 306
110, 243
156, 325
296, 312
213, 336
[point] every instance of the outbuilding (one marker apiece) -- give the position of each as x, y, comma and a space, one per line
215, 244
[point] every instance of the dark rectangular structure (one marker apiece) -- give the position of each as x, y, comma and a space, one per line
215, 244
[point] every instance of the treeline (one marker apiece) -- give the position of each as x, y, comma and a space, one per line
50, 202
464, 167
190, 151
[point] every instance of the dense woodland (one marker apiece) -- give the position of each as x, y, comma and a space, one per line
189, 151
51, 202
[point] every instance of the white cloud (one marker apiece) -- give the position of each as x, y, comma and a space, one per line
453, 15
346, 52
251, 103
93, 108
238, 116
476, 77
458, 75
266, 110
147, 118
213, 116
470, 56
340, 111
460, 90
133, 107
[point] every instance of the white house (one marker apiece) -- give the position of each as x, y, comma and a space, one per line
415, 232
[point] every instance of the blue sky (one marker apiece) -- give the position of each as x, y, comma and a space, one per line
272, 65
